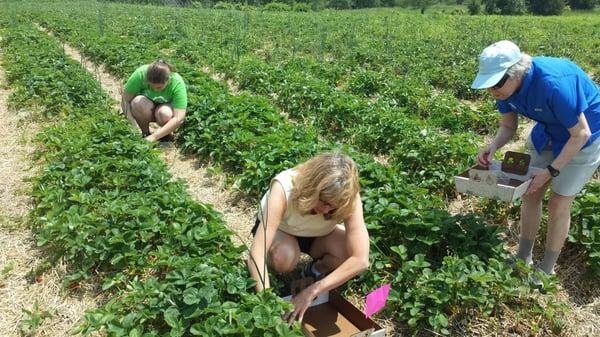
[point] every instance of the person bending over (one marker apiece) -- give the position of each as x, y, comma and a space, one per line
314, 208
565, 142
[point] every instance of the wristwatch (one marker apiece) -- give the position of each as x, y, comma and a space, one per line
553, 172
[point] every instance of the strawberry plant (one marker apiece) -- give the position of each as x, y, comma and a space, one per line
585, 224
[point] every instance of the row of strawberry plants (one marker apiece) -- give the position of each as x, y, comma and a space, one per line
106, 204
426, 153
363, 89
247, 136
440, 50
585, 224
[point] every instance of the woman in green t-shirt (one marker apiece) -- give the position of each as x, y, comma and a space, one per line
154, 93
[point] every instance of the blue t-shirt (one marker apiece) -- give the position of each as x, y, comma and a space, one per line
553, 93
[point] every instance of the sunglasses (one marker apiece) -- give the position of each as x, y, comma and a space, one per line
502, 81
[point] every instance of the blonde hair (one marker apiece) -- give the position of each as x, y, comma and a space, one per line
330, 177
159, 72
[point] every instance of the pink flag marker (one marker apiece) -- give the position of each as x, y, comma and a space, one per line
376, 300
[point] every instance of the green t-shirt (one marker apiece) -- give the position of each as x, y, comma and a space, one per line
174, 91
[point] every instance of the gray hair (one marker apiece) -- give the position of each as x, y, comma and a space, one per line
519, 69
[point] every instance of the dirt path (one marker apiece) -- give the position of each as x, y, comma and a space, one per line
18, 251
204, 185
233, 87
520, 143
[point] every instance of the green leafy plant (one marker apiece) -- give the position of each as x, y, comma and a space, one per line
7, 268
33, 319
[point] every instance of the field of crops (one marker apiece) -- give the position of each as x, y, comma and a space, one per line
390, 88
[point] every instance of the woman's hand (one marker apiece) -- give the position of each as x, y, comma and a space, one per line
540, 178
301, 303
484, 158
506, 131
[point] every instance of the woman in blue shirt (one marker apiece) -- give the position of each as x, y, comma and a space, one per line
565, 103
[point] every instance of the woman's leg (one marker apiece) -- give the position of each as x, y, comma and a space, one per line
559, 209
163, 113
330, 250
284, 252
142, 110
531, 215
565, 187
531, 207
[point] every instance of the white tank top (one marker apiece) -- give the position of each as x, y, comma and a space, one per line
294, 223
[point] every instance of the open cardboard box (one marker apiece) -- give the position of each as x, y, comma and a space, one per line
330, 315
492, 182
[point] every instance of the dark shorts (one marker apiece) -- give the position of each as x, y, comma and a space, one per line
303, 241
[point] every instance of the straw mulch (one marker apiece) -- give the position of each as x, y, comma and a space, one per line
18, 251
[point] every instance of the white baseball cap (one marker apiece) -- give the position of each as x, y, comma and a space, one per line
494, 61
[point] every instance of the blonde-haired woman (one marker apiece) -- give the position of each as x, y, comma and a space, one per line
300, 213
155, 93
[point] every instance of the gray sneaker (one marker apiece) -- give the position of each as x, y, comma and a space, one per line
540, 279
518, 264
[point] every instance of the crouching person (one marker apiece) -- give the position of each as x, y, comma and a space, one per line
154, 93
314, 208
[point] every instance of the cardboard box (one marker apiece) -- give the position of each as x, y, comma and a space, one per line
493, 183
330, 315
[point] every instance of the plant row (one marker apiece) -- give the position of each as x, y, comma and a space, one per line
440, 50
106, 205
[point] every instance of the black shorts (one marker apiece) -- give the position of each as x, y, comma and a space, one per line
305, 242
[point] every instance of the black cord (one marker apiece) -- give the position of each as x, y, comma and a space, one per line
265, 216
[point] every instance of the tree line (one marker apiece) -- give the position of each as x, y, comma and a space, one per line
491, 7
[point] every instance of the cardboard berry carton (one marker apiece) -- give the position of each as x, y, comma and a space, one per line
505, 180
331, 315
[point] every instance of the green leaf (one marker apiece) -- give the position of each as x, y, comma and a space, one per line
401, 251
171, 317
135, 333
442, 320
191, 296
197, 330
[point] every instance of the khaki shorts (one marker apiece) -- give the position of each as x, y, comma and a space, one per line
575, 174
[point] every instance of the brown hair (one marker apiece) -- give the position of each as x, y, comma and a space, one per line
159, 72
330, 177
